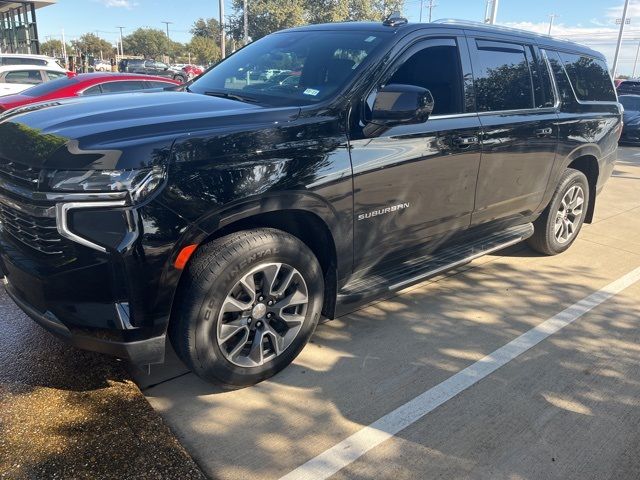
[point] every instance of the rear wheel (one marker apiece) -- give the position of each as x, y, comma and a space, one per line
249, 304
558, 226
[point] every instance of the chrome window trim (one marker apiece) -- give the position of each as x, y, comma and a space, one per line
62, 211
554, 86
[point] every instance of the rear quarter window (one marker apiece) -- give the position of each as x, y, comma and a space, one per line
589, 77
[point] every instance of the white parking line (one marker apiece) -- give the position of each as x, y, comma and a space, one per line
353, 447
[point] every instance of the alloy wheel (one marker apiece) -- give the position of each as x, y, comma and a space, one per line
262, 314
569, 214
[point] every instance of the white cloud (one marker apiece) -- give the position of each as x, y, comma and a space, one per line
119, 3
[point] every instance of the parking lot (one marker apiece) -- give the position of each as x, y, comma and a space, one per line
436, 382
379, 393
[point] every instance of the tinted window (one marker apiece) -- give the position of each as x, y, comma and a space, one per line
542, 86
548, 95
115, 87
502, 77
24, 76
589, 77
159, 84
437, 68
560, 76
22, 61
95, 90
48, 87
323, 62
629, 87
55, 75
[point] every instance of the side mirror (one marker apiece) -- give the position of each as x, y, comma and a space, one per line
398, 104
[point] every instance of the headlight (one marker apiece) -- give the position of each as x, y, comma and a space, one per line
139, 183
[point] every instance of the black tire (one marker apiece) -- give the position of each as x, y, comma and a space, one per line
211, 276
180, 78
544, 238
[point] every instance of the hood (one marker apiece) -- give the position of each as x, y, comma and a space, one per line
10, 101
120, 131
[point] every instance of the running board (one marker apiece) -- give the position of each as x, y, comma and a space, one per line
409, 272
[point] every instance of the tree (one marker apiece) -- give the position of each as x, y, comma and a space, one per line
53, 48
267, 16
209, 28
204, 50
148, 42
93, 45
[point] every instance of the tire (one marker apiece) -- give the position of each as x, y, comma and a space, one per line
552, 234
218, 281
180, 78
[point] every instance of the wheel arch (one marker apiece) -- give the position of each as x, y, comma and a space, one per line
589, 166
305, 216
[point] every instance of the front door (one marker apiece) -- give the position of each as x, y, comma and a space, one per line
414, 185
518, 113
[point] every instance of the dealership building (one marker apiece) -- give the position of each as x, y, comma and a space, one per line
18, 25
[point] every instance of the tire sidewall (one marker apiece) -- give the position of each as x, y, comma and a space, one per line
575, 178
210, 361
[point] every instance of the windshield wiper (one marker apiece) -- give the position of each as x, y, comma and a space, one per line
231, 96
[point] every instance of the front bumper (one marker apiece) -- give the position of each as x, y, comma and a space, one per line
143, 352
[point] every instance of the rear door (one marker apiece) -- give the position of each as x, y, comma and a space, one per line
518, 114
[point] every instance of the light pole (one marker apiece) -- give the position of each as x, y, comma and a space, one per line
635, 62
431, 6
552, 17
167, 24
245, 14
121, 44
490, 15
614, 69
222, 36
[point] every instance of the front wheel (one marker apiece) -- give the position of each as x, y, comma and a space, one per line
249, 304
558, 226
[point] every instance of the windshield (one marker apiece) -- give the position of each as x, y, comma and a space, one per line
49, 87
291, 68
630, 103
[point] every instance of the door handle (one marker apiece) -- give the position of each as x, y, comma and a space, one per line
544, 132
465, 141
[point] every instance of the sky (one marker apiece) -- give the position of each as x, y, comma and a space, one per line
591, 22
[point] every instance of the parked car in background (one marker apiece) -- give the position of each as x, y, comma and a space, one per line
151, 67
16, 78
631, 117
86, 84
34, 60
231, 215
102, 66
628, 87
192, 71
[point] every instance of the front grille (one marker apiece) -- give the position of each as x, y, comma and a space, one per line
39, 233
22, 175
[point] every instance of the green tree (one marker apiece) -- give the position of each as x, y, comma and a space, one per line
206, 27
148, 42
267, 16
204, 50
53, 48
92, 45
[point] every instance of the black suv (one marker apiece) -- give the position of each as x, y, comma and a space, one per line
229, 216
151, 67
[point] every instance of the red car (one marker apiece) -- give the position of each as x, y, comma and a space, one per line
85, 84
192, 71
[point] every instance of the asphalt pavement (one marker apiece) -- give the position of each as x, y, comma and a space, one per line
517, 366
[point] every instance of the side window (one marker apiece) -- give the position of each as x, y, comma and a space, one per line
560, 76
55, 75
437, 68
159, 84
546, 79
95, 90
31, 77
23, 61
589, 77
117, 87
502, 77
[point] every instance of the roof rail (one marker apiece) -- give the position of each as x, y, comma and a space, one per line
471, 23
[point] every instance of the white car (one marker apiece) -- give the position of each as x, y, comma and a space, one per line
102, 66
7, 59
17, 78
